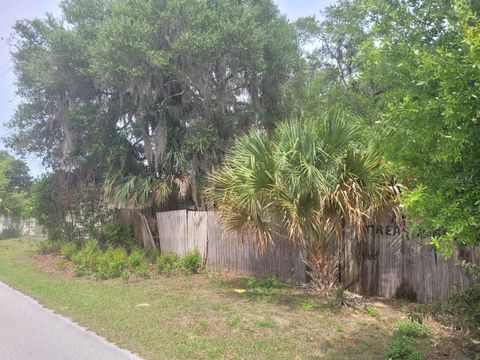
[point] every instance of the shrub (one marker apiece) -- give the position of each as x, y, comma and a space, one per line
412, 330
112, 263
85, 261
48, 247
191, 262
118, 235
142, 270
373, 311
402, 348
167, 263
68, 250
464, 306
138, 263
136, 258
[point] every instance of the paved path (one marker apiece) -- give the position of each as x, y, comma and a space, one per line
28, 331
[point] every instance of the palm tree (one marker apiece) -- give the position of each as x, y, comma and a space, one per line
313, 177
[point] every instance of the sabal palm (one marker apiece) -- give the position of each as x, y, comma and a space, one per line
136, 191
311, 177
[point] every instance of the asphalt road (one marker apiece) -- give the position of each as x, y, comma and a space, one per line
29, 331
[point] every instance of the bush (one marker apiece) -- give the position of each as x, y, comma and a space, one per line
167, 263
142, 270
138, 263
191, 262
136, 258
85, 261
402, 348
464, 306
112, 263
68, 250
118, 235
412, 330
48, 247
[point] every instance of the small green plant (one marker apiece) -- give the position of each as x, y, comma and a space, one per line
125, 275
85, 261
402, 349
142, 270
68, 250
167, 263
136, 258
412, 330
138, 263
464, 308
309, 305
373, 311
402, 345
112, 263
191, 262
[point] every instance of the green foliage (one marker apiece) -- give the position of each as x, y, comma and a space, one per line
116, 234
86, 260
268, 283
307, 168
68, 250
309, 305
167, 263
112, 263
403, 343
401, 348
411, 329
138, 263
14, 193
464, 306
414, 83
177, 69
191, 262
373, 311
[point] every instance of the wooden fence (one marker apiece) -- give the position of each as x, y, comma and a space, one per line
183, 231
385, 263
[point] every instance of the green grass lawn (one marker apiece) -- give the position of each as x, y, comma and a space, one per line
203, 317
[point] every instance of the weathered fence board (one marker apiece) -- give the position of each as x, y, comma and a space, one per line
183, 231
385, 263
172, 231
382, 263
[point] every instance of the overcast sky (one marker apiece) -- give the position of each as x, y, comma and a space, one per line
13, 10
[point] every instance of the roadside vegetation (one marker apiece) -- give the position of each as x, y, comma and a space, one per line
306, 128
217, 316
